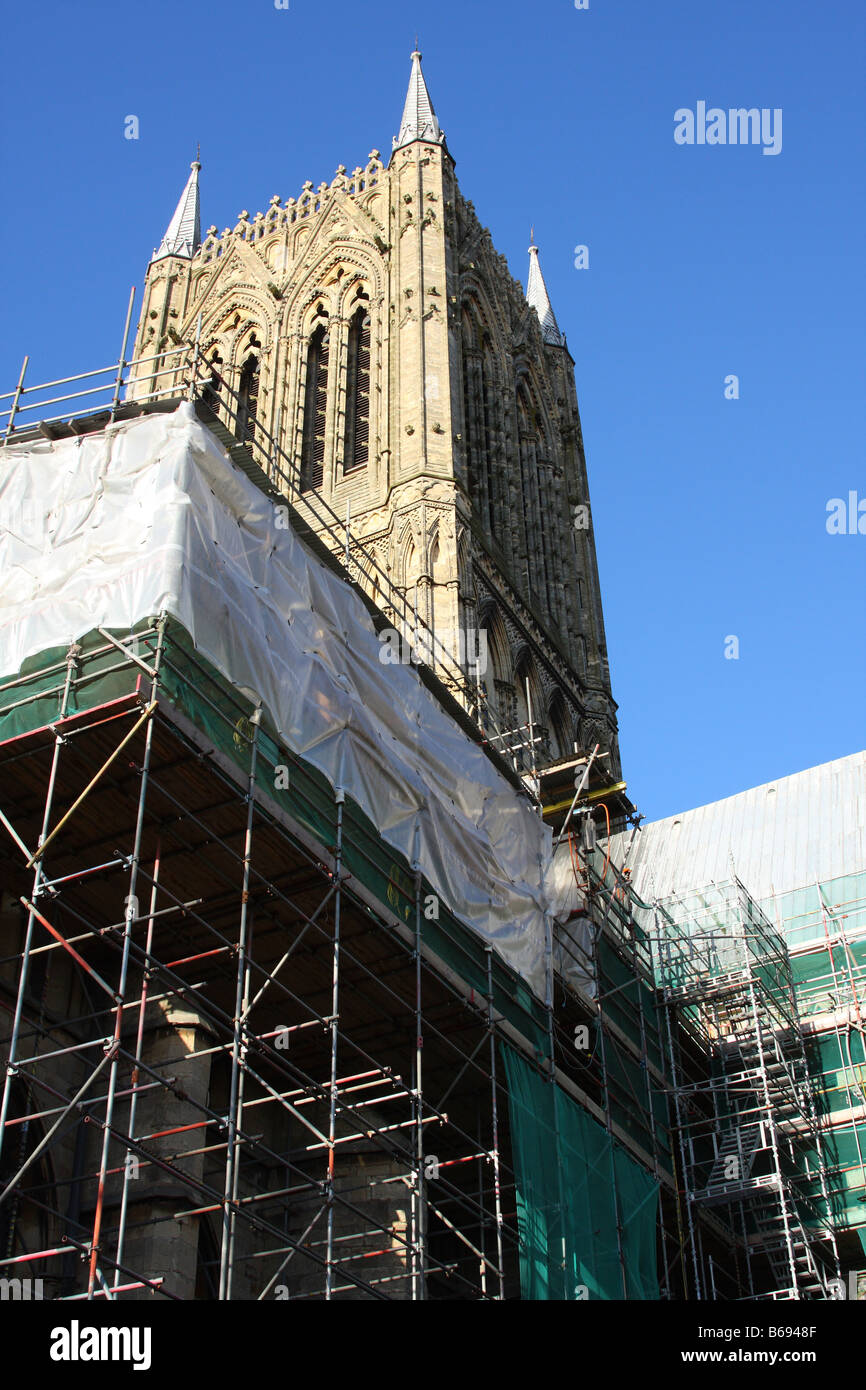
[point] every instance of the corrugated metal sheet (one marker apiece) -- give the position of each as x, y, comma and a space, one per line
783, 835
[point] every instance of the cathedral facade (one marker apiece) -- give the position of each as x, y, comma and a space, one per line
372, 333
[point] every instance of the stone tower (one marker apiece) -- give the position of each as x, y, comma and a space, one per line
413, 389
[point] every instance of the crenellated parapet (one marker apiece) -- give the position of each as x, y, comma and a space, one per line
280, 216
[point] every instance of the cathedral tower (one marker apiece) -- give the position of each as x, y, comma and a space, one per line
370, 331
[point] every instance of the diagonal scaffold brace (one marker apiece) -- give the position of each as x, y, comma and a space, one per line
143, 718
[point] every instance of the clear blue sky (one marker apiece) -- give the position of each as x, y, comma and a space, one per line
704, 261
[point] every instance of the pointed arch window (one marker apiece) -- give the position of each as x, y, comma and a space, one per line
481, 411
211, 392
469, 420
528, 482
356, 444
248, 399
488, 448
528, 704
538, 507
495, 678
315, 408
560, 735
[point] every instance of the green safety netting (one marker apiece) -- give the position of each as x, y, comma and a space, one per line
571, 1179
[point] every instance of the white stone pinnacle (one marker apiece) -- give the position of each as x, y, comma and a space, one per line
183, 236
419, 119
537, 296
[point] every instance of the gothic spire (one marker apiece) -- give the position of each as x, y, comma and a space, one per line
537, 296
183, 236
419, 119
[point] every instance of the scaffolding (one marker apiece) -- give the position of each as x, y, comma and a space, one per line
274, 1036
244, 1053
749, 1131
247, 1045
824, 924
231, 1014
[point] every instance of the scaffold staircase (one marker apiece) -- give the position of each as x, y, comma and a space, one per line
799, 1271
730, 978
740, 1143
768, 1068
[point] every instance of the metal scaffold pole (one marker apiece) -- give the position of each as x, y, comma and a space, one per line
419, 1186
131, 1160
334, 1029
130, 915
11, 1068
494, 1120
239, 1038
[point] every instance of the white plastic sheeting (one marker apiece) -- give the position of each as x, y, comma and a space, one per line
780, 836
150, 516
574, 937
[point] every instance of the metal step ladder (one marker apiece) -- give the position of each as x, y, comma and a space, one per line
798, 1270
728, 1183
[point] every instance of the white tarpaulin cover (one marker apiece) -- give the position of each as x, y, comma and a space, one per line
151, 516
575, 936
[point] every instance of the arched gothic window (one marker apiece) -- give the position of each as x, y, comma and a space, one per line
560, 736
529, 481
211, 393
248, 397
315, 406
499, 710
538, 509
356, 445
529, 711
488, 450
480, 412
